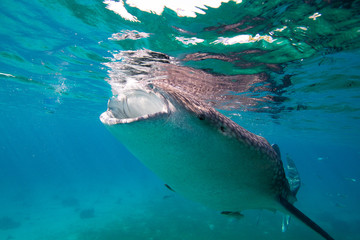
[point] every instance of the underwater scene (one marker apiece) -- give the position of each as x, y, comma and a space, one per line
147, 119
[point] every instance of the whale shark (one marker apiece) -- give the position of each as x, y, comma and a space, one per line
199, 152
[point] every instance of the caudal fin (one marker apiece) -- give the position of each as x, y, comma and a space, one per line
298, 214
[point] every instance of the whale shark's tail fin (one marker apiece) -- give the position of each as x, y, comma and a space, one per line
301, 216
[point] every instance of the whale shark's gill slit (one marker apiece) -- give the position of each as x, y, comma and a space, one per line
305, 219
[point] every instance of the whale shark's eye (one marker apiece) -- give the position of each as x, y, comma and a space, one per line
222, 128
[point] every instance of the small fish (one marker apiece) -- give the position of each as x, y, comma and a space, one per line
351, 179
236, 215
166, 197
168, 187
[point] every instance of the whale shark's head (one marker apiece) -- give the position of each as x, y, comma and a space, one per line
136, 105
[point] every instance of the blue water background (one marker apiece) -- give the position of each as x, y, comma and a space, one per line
54, 149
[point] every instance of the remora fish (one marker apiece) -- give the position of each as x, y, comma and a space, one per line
200, 153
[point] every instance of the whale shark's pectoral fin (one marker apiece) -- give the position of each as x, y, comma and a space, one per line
305, 219
168, 187
236, 215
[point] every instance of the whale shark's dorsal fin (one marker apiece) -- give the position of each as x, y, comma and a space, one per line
301, 216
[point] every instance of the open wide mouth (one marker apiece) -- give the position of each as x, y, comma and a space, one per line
134, 105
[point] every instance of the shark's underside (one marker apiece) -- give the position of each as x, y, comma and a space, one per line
169, 125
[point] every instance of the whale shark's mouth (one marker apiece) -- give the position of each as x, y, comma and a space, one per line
134, 105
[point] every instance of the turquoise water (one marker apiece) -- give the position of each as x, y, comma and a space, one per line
63, 176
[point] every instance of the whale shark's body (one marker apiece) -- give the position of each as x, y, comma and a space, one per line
199, 152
